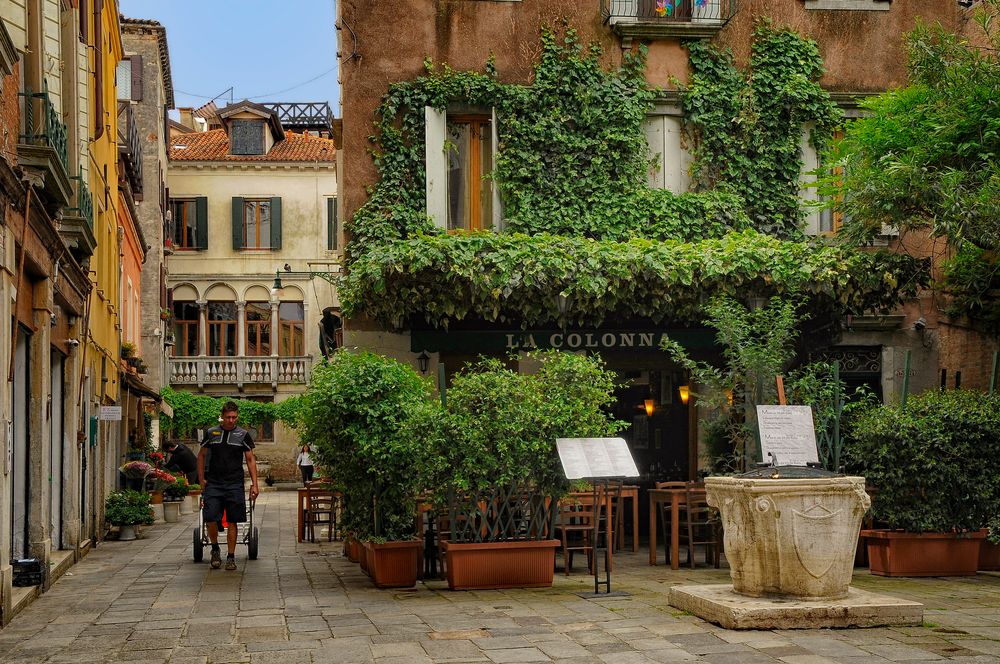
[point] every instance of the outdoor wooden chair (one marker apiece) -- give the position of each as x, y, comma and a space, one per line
575, 527
703, 526
321, 509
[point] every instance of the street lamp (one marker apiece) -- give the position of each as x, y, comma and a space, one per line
422, 361
329, 276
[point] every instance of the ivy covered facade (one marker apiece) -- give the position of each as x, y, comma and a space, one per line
577, 182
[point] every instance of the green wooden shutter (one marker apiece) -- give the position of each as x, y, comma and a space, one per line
276, 223
237, 222
201, 222
331, 224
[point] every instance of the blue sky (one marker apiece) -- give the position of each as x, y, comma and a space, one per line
259, 47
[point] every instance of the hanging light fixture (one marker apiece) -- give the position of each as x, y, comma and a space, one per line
422, 361
648, 404
685, 393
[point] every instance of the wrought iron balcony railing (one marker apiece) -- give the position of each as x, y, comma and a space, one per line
667, 18
42, 125
84, 201
130, 146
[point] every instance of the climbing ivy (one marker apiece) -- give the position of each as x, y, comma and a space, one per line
748, 125
199, 411
515, 278
584, 238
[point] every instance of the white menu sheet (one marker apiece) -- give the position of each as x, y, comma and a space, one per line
584, 458
787, 435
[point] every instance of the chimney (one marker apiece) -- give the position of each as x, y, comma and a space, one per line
187, 116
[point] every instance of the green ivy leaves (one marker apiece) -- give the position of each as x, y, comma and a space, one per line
518, 278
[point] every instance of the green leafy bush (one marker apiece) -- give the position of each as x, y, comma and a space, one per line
353, 416
499, 427
200, 411
128, 508
935, 463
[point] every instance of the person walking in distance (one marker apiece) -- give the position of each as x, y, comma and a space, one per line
305, 464
220, 473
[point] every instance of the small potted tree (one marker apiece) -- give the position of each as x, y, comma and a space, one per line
128, 509
935, 465
490, 456
353, 414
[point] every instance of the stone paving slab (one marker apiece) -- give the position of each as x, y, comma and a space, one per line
147, 601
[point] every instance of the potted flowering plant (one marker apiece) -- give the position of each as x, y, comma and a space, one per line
135, 473
156, 458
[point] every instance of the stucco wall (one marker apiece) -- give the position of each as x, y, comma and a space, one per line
863, 50
149, 119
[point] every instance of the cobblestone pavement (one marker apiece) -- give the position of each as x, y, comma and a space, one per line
146, 601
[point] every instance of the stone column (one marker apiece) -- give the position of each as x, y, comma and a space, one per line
202, 327
241, 330
274, 327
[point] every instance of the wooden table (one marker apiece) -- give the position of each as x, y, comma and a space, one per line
631, 493
676, 498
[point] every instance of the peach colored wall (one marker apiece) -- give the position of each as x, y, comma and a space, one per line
131, 262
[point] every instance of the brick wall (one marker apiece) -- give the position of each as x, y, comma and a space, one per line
9, 117
966, 350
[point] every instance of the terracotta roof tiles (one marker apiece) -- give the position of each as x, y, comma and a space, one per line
213, 145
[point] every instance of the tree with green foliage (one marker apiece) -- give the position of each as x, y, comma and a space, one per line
353, 416
927, 158
200, 411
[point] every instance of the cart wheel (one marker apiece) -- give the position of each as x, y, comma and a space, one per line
252, 545
198, 551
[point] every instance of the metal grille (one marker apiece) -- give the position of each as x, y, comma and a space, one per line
680, 11
509, 513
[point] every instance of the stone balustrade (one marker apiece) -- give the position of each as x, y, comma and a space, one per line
239, 371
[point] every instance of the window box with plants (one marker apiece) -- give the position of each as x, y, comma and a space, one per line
936, 468
128, 509
353, 415
491, 460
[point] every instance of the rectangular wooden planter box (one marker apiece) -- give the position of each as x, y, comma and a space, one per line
487, 565
896, 553
394, 564
365, 557
354, 550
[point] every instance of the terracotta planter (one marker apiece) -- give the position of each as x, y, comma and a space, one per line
896, 553
394, 564
364, 557
989, 557
155, 497
355, 550
500, 564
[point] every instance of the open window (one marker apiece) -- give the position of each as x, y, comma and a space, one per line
460, 155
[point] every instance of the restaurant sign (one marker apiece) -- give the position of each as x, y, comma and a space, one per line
499, 341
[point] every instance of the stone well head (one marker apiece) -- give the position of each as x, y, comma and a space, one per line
790, 537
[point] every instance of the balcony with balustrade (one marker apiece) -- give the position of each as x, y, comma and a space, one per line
77, 226
240, 371
667, 19
43, 145
130, 147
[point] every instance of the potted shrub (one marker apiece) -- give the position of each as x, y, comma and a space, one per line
176, 493
490, 454
128, 509
935, 466
353, 415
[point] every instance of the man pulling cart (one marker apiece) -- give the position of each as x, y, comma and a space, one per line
220, 473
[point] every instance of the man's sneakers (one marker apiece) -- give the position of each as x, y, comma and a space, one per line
230, 562
216, 559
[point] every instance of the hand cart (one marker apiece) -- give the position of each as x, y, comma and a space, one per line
246, 533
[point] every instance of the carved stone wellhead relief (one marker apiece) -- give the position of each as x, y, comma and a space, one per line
790, 537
